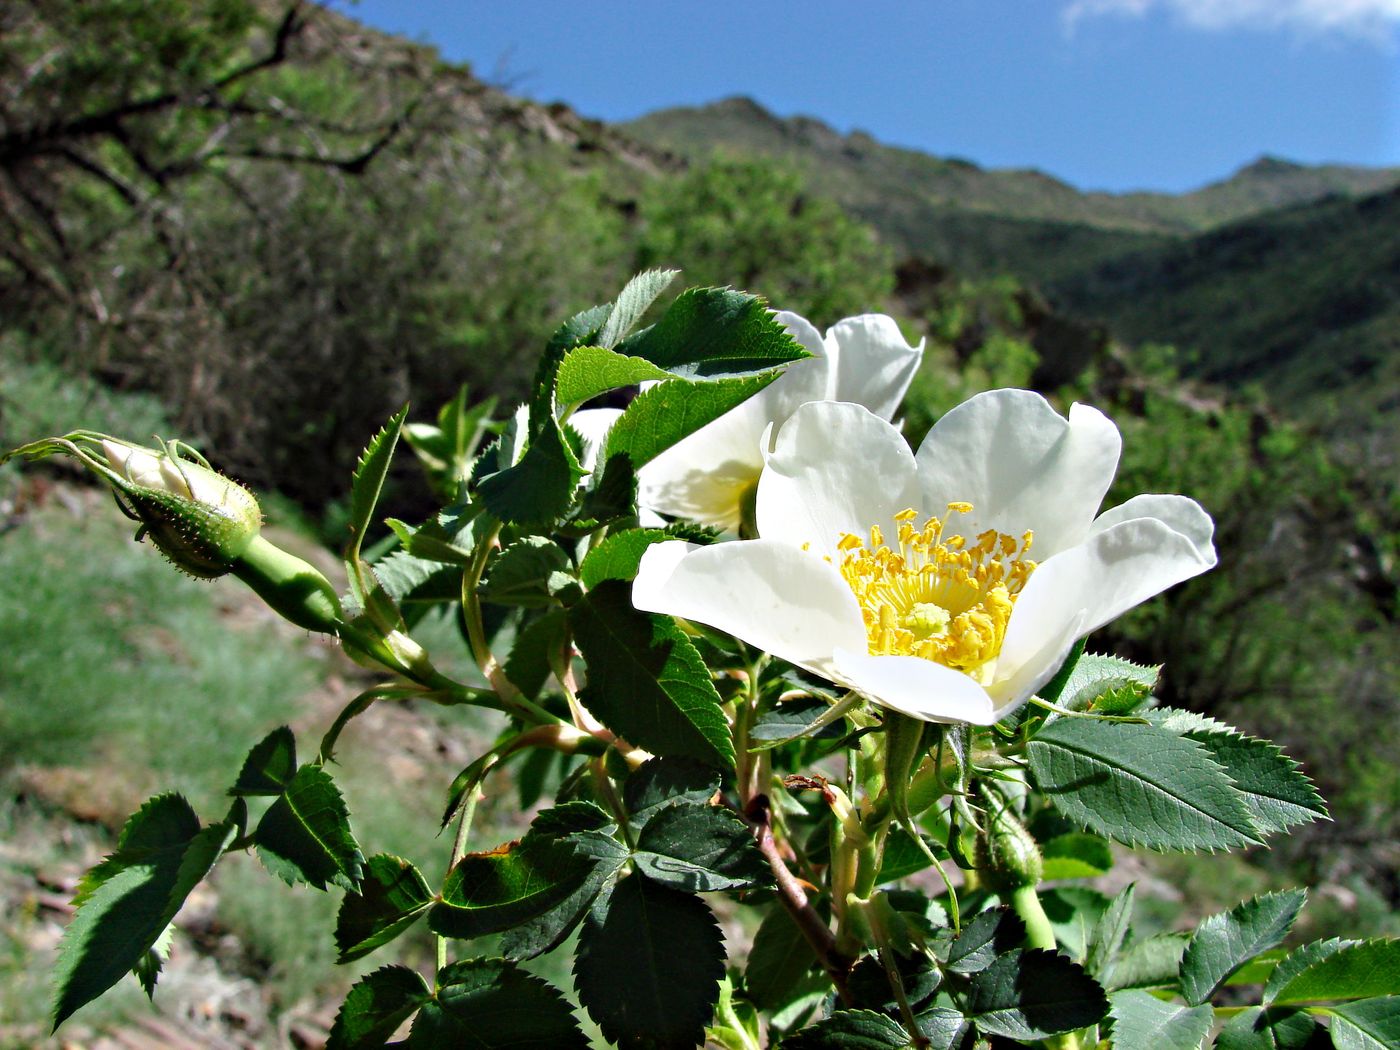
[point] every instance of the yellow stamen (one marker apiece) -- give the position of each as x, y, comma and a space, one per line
938, 598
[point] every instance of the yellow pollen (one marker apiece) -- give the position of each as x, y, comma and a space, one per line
941, 598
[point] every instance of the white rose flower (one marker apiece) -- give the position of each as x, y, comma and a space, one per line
708, 476
910, 578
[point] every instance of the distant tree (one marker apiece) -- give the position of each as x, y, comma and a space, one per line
110, 107
236, 204
751, 225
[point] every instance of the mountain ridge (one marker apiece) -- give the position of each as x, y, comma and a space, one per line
835, 163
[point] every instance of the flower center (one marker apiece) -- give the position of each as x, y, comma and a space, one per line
936, 596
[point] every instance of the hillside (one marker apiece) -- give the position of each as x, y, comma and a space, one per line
1305, 299
876, 179
1282, 274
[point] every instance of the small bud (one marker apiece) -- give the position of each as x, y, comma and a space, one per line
1007, 855
199, 519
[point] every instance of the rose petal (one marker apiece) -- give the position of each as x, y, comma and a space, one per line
1021, 465
1091, 584
872, 364
772, 595
915, 687
835, 468
1179, 513
1035, 670
706, 477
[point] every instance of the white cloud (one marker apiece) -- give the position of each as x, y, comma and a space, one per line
1371, 18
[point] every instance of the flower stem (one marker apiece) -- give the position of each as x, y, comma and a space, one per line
459, 849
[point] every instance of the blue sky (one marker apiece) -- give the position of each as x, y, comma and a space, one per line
1106, 94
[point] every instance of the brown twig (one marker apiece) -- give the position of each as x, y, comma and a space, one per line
794, 899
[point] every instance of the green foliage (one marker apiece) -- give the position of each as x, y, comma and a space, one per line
270, 766
1033, 994
682, 763
1140, 785
368, 483
699, 849
491, 892
648, 679
854, 1029
391, 897
1277, 793
305, 834
1352, 971
1260, 1028
1140, 1019
1372, 1024
649, 964
780, 961
494, 1005
753, 226
1224, 943
376, 1006
126, 902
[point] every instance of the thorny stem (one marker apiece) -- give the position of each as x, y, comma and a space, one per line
794, 900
